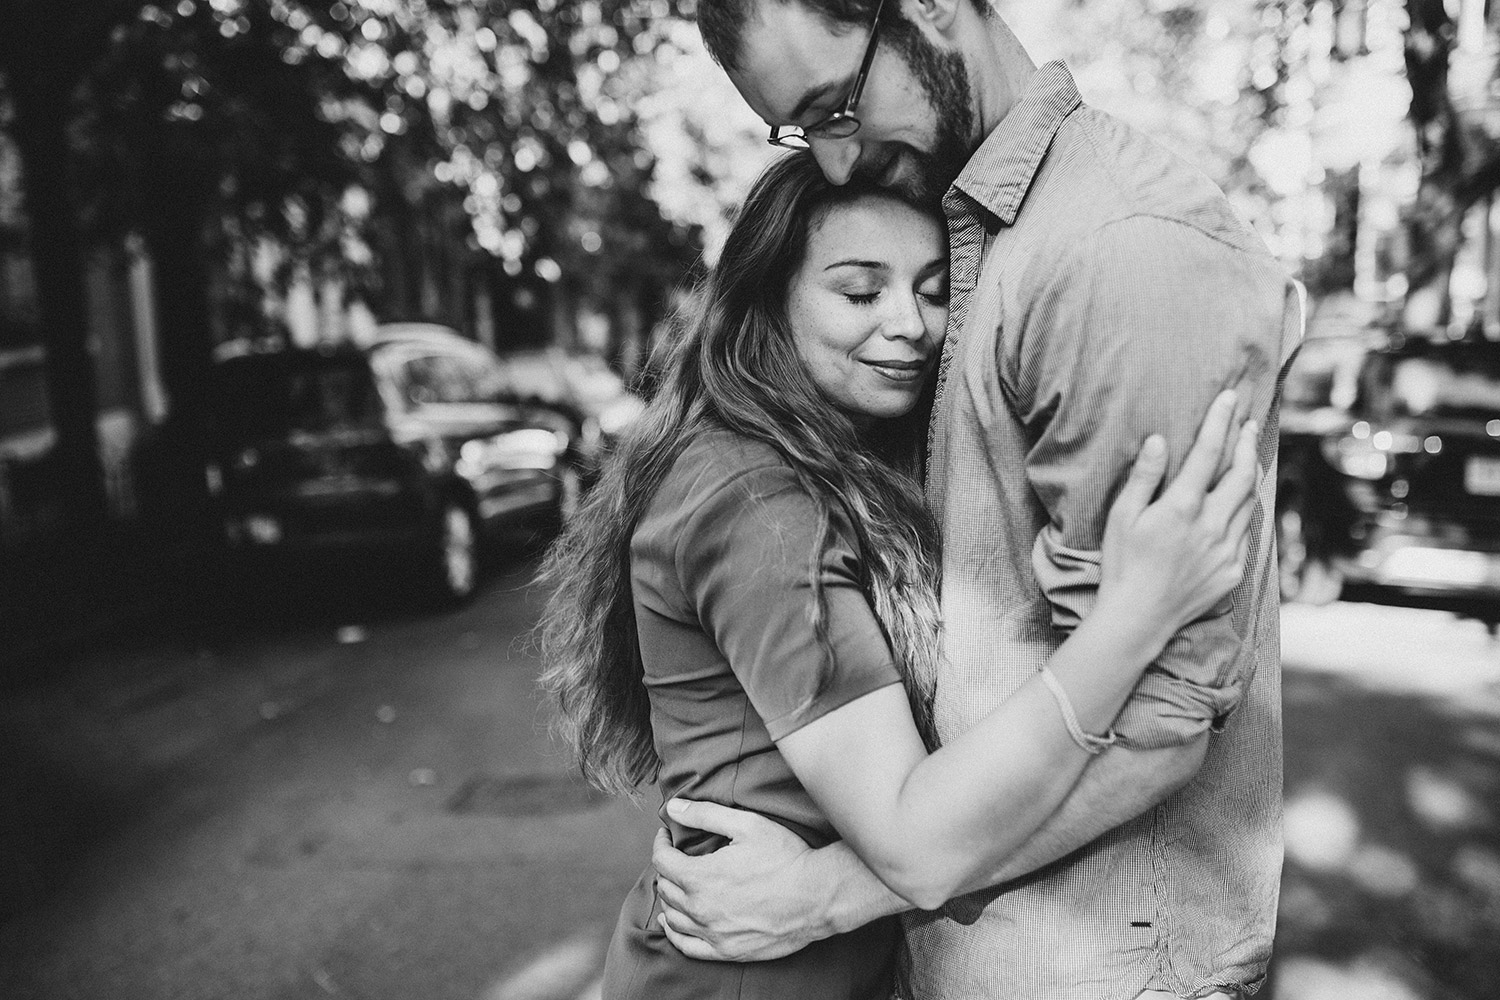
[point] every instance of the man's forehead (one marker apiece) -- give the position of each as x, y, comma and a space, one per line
789, 53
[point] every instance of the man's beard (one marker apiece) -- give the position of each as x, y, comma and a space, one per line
945, 82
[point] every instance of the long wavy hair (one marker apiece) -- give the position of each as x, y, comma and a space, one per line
734, 365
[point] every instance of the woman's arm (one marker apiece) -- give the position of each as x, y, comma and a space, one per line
934, 826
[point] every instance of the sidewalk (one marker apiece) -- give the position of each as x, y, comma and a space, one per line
59, 594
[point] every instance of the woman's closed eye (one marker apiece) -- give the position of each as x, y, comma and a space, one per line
935, 294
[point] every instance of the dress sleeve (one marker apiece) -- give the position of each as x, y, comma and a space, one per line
747, 558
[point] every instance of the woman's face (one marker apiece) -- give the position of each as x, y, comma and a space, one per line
868, 305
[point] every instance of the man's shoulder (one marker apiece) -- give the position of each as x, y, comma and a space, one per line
1102, 175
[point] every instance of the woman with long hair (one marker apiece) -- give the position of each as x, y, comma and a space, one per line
745, 609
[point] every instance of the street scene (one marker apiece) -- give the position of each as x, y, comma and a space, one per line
322, 320
372, 808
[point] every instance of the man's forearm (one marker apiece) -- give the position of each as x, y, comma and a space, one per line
1116, 787
856, 896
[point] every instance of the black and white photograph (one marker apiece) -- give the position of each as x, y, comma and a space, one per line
749, 499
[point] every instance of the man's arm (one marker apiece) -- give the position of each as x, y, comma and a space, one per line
763, 895
1150, 318
1116, 787
767, 894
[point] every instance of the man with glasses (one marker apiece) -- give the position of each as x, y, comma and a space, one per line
1102, 289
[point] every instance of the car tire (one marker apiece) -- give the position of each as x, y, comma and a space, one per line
454, 570
1306, 577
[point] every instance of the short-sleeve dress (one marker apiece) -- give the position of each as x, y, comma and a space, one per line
721, 568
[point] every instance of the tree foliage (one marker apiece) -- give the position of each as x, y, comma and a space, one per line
413, 153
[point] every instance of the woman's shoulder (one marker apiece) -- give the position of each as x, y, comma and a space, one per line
721, 482
719, 459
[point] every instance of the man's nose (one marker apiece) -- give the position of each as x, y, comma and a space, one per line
835, 157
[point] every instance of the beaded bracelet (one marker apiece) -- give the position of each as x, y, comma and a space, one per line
1088, 741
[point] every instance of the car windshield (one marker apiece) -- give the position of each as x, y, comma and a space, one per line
581, 380
1446, 379
280, 396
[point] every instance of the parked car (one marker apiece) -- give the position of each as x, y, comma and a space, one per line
582, 386
1390, 469
406, 446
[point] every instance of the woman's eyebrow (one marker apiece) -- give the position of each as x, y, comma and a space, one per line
855, 262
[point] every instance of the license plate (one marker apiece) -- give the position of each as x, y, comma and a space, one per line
1482, 476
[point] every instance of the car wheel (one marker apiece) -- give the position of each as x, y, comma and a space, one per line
457, 553
1305, 576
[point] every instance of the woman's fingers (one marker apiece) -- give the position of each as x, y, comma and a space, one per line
1238, 528
1237, 486
1140, 486
1202, 462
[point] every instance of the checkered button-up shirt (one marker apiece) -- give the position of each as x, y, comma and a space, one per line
1104, 290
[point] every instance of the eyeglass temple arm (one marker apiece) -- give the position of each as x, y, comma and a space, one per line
864, 65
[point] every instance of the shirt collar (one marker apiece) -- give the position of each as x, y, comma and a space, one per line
1000, 172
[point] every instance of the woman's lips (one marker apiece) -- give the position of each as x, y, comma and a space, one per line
899, 371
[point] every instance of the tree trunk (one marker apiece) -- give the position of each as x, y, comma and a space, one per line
40, 130
178, 199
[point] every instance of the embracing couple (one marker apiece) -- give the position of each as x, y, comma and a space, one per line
935, 588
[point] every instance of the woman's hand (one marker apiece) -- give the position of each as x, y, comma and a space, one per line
1172, 559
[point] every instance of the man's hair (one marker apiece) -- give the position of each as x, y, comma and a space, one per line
722, 22
736, 366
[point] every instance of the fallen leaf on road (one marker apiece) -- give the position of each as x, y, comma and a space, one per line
325, 981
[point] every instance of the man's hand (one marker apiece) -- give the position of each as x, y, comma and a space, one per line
753, 899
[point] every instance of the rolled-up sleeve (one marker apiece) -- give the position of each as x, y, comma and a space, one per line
1136, 334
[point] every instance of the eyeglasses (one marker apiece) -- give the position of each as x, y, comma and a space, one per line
842, 123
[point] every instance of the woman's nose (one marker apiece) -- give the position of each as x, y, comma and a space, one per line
906, 321
835, 157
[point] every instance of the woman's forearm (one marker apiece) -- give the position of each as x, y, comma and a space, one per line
939, 824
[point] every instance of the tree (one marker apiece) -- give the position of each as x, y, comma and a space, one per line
46, 49
430, 155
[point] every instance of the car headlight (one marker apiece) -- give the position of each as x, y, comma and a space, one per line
1357, 457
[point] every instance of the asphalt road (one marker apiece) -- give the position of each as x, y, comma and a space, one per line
339, 807
351, 799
